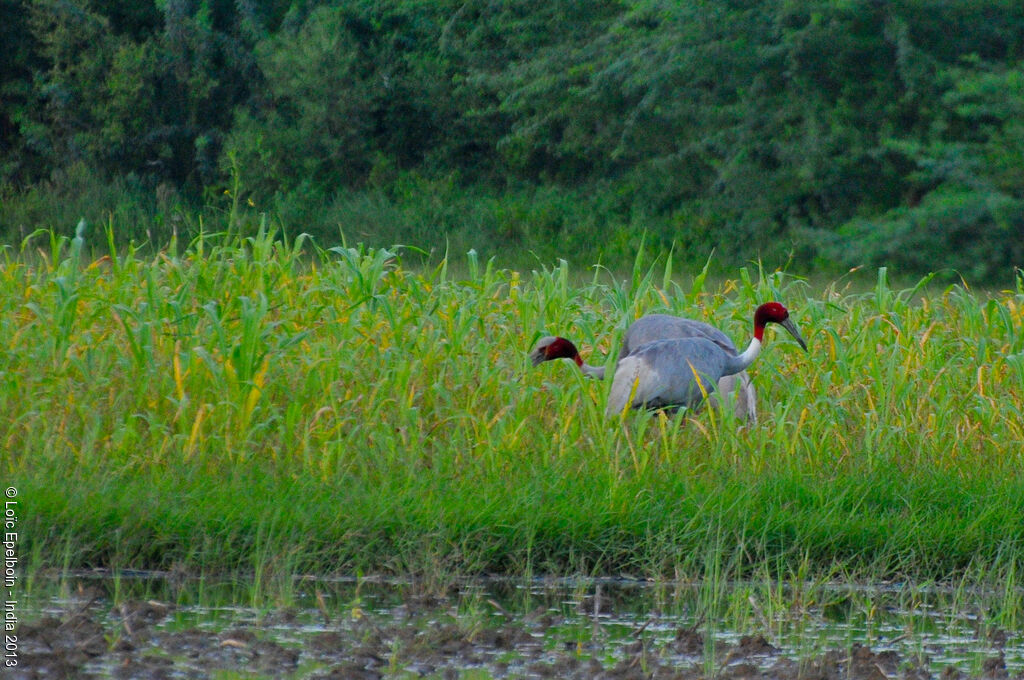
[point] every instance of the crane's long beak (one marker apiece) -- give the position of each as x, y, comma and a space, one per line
791, 327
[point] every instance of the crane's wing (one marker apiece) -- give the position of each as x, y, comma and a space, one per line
625, 385
666, 373
738, 390
654, 327
635, 383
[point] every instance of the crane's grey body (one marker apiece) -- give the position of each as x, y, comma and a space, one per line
654, 327
672, 373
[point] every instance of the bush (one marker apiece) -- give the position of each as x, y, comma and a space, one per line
978, 235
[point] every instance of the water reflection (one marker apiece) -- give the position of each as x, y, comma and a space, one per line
566, 627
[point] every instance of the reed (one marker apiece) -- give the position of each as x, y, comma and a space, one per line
266, 405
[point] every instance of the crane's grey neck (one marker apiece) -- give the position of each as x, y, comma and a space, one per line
740, 362
596, 372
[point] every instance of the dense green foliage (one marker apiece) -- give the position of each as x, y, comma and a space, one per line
240, 406
836, 132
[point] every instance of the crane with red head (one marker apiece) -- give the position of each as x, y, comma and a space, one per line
671, 362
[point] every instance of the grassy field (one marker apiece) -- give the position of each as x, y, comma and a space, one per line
252, 406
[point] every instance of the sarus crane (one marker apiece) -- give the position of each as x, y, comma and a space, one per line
670, 362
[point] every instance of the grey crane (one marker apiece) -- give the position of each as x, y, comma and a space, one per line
682, 372
654, 327
658, 347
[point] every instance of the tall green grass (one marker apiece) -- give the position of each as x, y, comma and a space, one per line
275, 407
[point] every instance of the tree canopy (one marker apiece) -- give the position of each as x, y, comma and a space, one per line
843, 132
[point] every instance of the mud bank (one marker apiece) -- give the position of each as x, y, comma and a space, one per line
428, 637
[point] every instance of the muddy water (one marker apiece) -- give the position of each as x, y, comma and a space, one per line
157, 626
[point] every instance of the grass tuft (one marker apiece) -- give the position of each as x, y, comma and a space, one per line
263, 405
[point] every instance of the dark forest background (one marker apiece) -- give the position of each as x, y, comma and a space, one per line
823, 134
